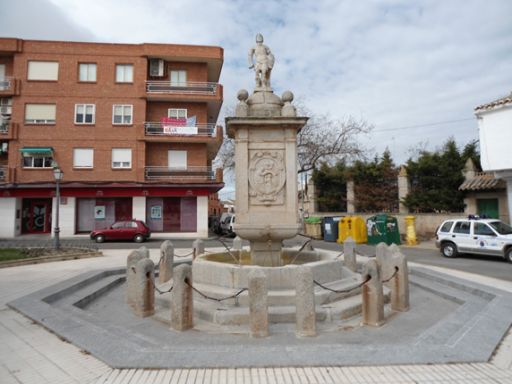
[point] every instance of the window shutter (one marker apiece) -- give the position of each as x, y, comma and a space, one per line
40, 111
83, 157
43, 70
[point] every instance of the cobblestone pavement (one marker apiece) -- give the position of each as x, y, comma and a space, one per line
30, 354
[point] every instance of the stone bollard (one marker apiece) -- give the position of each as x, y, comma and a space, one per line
131, 261
144, 251
198, 246
144, 292
182, 307
383, 256
399, 284
349, 253
237, 244
373, 297
166, 262
305, 324
258, 303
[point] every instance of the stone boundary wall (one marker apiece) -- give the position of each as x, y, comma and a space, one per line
426, 223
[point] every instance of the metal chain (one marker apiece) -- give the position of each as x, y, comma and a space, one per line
300, 250
158, 290
215, 298
219, 239
343, 290
393, 275
186, 255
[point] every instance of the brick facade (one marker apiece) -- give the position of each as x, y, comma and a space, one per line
202, 65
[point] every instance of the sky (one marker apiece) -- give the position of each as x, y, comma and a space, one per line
414, 69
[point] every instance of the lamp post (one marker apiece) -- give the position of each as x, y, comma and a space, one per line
58, 174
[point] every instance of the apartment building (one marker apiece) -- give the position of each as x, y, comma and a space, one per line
132, 127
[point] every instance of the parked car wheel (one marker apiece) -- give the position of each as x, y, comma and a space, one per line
508, 255
99, 238
138, 238
449, 249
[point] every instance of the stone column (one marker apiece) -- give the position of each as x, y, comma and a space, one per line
258, 303
131, 261
400, 285
198, 246
351, 197
349, 253
182, 305
305, 303
403, 189
373, 297
166, 262
237, 244
144, 291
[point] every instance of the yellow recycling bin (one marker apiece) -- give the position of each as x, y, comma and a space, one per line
353, 226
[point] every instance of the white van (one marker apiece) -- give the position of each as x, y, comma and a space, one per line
226, 224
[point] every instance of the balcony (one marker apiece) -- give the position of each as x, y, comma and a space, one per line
8, 86
166, 130
3, 173
8, 130
188, 88
180, 174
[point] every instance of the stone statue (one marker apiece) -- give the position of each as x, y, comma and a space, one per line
263, 63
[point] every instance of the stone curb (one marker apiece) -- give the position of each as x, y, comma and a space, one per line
48, 259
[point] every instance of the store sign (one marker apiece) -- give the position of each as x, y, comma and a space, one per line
99, 212
156, 212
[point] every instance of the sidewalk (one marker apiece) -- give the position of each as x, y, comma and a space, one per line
30, 354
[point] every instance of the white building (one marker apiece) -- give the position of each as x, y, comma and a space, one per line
495, 128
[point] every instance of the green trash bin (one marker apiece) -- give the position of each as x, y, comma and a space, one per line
314, 227
383, 228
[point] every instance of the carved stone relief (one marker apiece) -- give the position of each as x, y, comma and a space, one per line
267, 177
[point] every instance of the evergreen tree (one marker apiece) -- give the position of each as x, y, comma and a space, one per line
375, 184
435, 178
331, 187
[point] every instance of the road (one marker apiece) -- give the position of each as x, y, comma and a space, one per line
487, 266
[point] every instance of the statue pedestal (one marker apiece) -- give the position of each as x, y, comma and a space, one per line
266, 183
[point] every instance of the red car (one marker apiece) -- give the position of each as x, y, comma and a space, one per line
135, 230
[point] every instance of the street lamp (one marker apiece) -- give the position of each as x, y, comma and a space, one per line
58, 174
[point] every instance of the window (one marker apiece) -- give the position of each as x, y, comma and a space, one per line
179, 78
176, 113
83, 157
446, 226
483, 229
43, 70
461, 227
122, 114
40, 113
177, 159
37, 161
121, 158
87, 72
124, 73
84, 113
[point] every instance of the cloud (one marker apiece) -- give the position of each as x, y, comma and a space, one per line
39, 19
396, 63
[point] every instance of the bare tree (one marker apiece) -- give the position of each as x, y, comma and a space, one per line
322, 139
327, 140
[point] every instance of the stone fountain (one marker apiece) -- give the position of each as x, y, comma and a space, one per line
264, 129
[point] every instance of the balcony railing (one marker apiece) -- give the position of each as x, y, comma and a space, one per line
3, 172
6, 83
189, 87
180, 173
164, 129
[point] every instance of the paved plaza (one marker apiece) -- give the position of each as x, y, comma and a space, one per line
31, 354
